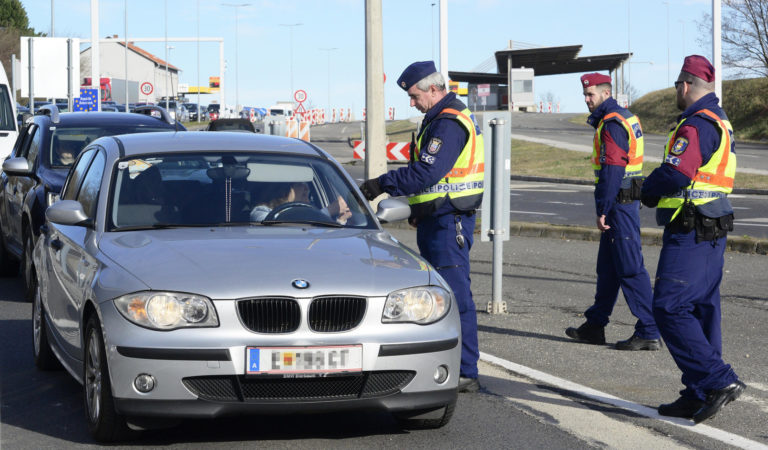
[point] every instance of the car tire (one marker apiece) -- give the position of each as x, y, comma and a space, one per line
28, 266
9, 266
45, 359
411, 422
104, 422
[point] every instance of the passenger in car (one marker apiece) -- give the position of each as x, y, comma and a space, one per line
282, 193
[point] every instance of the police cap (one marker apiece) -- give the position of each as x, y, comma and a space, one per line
415, 73
593, 79
699, 67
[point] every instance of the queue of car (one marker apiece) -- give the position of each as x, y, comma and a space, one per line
168, 279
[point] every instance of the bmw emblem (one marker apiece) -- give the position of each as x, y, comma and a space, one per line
300, 284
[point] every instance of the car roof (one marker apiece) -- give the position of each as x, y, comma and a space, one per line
107, 118
163, 142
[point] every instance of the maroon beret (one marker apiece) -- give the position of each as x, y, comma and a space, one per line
593, 79
699, 67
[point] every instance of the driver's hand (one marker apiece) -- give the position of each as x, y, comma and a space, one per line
340, 210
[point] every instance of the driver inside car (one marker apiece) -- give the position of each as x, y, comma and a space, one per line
285, 193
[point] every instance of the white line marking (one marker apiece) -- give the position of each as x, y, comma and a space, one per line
704, 430
755, 219
533, 212
742, 223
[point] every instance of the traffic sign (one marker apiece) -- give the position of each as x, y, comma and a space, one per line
300, 96
483, 90
146, 88
88, 100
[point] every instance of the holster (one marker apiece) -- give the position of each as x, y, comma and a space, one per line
631, 193
710, 229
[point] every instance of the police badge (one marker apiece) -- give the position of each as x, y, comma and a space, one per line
434, 146
679, 146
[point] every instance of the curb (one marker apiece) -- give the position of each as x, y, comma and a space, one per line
648, 236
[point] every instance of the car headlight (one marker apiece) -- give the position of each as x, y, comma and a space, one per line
167, 310
422, 305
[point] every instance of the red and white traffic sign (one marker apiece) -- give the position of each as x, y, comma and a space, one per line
146, 88
483, 90
300, 96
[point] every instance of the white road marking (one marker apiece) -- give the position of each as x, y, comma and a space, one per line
565, 203
704, 430
745, 224
755, 219
533, 212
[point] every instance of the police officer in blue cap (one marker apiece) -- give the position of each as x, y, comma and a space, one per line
444, 185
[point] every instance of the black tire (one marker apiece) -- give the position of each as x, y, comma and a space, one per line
9, 266
28, 266
45, 359
415, 423
104, 423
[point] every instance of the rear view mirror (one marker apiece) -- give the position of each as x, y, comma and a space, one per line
391, 210
67, 212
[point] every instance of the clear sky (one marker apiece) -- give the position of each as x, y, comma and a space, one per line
476, 29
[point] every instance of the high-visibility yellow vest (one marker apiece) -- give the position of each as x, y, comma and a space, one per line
634, 131
714, 179
464, 183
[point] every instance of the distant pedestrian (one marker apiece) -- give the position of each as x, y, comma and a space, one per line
444, 182
617, 160
691, 190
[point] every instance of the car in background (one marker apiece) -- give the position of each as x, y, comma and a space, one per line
160, 293
194, 109
214, 111
231, 125
34, 173
176, 110
9, 127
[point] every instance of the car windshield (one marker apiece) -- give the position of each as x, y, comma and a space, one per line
213, 107
225, 189
66, 143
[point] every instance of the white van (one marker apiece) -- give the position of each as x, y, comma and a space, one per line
8, 128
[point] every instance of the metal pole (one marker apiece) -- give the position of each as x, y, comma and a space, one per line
31, 73
375, 130
444, 39
53, 21
95, 53
199, 111
14, 82
166, 55
497, 186
717, 59
509, 80
70, 94
221, 78
125, 44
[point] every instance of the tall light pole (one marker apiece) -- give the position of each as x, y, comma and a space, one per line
169, 47
667, 3
290, 55
329, 50
166, 55
237, 81
433, 30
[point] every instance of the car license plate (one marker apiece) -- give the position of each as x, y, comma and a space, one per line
303, 360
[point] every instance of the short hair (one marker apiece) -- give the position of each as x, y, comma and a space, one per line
697, 82
436, 79
604, 86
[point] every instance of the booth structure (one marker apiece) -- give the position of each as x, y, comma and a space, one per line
518, 68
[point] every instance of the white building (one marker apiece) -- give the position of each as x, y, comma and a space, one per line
142, 67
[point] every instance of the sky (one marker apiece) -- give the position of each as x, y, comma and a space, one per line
325, 54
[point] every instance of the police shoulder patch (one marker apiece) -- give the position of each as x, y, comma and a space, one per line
434, 146
679, 146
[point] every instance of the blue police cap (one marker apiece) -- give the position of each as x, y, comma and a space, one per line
415, 73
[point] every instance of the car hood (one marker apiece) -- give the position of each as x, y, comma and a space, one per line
237, 262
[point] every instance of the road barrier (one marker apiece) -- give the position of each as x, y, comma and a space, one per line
396, 151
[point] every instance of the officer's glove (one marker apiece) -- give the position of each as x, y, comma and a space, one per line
649, 201
371, 189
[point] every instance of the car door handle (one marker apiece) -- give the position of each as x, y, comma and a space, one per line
56, 244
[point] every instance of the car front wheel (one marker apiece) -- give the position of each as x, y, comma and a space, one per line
105, 424
44, 357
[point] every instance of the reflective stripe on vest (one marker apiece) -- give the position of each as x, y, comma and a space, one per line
714, 179
634, 167
464, 182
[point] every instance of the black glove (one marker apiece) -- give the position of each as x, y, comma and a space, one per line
371, 189
649, 201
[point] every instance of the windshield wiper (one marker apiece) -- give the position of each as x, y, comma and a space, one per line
158, 226
307, 222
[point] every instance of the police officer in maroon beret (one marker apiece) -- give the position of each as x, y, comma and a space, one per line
617, 160
690, 191
444, 185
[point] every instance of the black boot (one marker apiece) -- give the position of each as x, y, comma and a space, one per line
587, 332
682, 407
636, 343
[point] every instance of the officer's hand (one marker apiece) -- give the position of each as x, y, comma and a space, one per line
371, 189
649, 201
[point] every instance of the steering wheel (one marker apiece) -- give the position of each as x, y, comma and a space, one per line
273, 215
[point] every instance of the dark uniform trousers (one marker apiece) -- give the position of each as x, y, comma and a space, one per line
620, 265
686, 305
436, 238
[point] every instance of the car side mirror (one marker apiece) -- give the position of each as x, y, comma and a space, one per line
391, 210
67, 212
17, 166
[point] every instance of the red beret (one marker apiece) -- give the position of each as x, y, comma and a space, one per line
699, 67
593, 79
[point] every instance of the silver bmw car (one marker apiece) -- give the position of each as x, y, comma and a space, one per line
195, 275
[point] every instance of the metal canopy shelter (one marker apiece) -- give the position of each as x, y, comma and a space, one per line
543, 61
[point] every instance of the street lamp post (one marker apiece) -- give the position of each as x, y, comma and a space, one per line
667, 3
169, 47
329, 50
237, 81
290, 55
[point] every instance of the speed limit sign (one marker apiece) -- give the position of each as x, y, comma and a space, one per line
300, 96
146, 88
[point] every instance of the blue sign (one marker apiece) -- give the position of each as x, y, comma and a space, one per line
88, 100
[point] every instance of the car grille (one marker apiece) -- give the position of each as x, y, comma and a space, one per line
270, 315
333, 314
236, 388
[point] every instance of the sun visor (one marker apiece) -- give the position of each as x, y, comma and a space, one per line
279, 173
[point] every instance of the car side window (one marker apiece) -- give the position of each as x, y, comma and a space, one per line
34, 147
24, 145
88, 194
76, 175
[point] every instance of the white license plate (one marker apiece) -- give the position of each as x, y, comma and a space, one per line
298, 360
